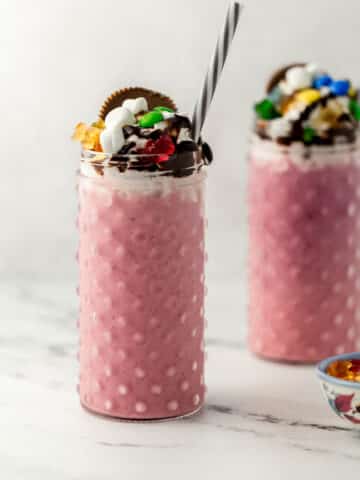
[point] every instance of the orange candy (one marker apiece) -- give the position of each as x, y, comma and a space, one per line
345, 370
79, 132
89, 137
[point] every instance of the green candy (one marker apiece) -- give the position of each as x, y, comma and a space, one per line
150, 119
355, 109
163, 109
266, 110
308, 134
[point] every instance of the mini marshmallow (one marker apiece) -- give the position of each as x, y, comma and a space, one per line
119, 116
160, 125
312, 68
118, 138
136, 105
298, 78
294, 113
285, 88
166, 115
324, 91
280, 127
106, 141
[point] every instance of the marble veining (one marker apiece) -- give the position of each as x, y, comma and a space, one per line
267, 418
261, 419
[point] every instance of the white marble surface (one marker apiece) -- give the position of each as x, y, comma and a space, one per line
261, 419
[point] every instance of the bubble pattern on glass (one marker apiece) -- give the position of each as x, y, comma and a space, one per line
304, 261
141, 260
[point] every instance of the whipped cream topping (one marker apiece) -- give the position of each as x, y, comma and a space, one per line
134, 182
112, 138
280, 158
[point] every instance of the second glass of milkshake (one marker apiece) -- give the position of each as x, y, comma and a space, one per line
304, 205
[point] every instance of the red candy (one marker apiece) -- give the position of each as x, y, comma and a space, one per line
163, 147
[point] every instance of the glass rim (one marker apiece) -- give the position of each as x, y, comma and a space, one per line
128, 163
103, 156
270, 146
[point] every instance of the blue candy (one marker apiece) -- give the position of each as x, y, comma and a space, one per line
340, 87
322, 81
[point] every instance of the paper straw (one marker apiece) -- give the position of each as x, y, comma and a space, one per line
215, 69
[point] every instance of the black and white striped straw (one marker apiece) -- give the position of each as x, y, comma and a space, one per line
215, 69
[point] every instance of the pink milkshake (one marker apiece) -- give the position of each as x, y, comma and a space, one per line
141, 259
304, 223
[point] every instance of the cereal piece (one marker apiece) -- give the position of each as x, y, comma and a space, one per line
345, 370
91, 138
79, 132
99, 124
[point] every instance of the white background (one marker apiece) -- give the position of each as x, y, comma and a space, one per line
60, 59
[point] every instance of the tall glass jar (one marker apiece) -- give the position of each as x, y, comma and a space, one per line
304, 268
141, 261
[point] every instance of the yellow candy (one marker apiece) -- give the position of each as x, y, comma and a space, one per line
89, 137
308, 96
79, 132
352, 92
99, 124
345, 370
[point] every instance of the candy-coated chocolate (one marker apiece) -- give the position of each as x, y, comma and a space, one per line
308, 96
340, 87
352, 92
322, 81
266, 110
150, 119
308, 134
354, 107
163, 109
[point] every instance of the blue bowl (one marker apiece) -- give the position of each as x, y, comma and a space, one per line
343, 396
